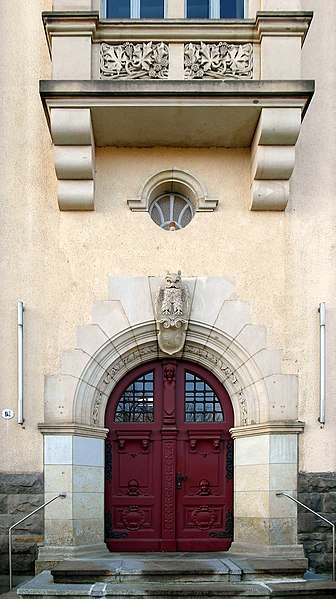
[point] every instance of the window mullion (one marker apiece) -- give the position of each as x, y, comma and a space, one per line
171, 206
135, 9
214, 9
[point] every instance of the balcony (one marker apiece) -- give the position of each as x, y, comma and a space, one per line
176, 82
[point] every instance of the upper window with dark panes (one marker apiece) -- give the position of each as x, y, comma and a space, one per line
195, 9
215, 9
135, 9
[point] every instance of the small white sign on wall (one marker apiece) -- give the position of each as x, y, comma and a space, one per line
7, 413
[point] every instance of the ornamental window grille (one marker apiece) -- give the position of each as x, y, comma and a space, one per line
137, 402
201, 402
171, 211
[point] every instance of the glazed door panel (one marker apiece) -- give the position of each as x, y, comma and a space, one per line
133, 465
169, 461
204, 457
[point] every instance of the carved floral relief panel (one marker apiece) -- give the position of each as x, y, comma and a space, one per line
218, 61
150, 60
145, 60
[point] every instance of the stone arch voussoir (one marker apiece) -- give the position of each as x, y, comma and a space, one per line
223, 356
219, 337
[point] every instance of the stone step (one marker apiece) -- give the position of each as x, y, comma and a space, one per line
194, 569
298, 590
139, 571
43, 587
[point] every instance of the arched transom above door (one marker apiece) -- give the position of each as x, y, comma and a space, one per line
123, 335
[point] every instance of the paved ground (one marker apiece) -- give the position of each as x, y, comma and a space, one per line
4, 585
10, 595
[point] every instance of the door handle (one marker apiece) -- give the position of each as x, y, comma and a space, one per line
179, 478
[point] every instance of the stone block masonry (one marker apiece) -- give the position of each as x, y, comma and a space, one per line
20, 494
317, 490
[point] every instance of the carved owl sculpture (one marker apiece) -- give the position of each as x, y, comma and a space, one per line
172, 307
172, 299
172, 294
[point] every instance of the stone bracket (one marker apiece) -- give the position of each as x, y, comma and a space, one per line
273, 157
74, 151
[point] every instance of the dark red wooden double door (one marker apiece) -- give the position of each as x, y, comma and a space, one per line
169, 461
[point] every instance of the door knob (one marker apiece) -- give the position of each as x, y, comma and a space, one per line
179, 478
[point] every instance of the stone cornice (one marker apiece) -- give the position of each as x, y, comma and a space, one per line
80, 430
211, 101
268, 428
69, 24
283, 24
250, 91
176, 30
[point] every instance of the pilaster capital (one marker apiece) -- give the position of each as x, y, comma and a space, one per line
279, 427
73, 429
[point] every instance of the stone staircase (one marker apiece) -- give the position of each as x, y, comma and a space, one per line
170, 576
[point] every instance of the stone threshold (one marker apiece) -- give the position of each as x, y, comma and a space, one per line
176, 567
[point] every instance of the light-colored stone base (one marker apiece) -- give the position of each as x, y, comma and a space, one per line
50, 556
281, 551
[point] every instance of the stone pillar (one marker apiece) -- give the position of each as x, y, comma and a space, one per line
74, 464
70, 39
175, 9
265, 461
72, 5
271, 5
280, 5
280, 52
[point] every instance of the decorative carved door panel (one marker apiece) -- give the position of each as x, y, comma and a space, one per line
169, 461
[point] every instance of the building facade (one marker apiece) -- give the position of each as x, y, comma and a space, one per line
168, 223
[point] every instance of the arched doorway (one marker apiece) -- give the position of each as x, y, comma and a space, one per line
169, 460
221, 338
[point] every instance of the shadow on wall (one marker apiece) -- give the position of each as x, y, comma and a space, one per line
318, 491
20, 495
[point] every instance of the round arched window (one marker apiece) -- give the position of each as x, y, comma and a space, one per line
171, 211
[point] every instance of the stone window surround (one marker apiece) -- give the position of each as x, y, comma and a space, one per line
221, 338
173, 180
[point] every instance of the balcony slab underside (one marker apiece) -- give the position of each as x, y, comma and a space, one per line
175, 113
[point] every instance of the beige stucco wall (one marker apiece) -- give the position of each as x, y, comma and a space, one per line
310, 267
27, 239
57, 263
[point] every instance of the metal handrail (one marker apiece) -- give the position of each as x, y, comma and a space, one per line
322, 518
62, 495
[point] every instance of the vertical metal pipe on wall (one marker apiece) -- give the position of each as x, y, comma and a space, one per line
322, 311
20, 362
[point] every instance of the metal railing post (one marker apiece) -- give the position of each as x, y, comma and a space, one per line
322, 518
62, 495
